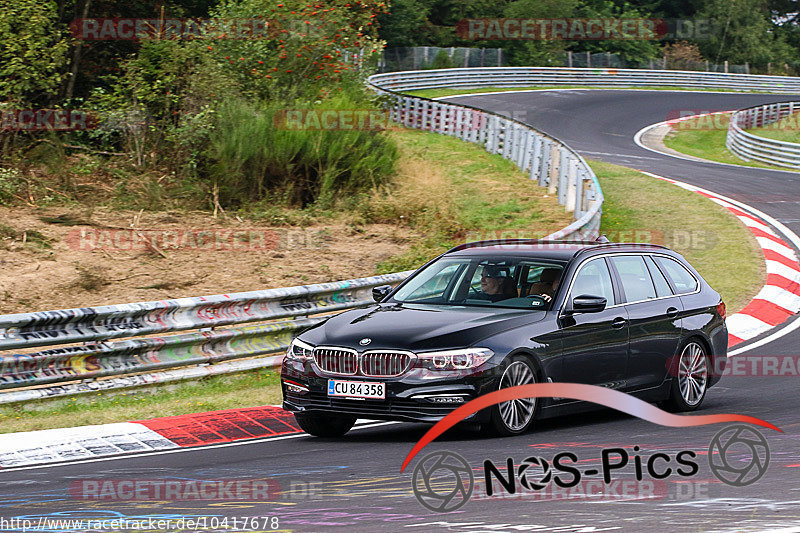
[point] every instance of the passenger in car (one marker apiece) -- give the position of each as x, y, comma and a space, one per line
547, 284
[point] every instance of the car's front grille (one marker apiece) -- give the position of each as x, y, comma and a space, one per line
337, 360
402, 407
384, 364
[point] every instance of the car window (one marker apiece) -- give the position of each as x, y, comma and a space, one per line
432, 283
682, 279
662, 286
594, 279
636, 281
487, 281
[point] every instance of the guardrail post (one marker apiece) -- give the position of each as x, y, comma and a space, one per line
527, 143
509, 140
572, 183
544, 167
552, 175
516, 148
458, 131
407, 112
580, 176
536, 157
562, 176
481, 131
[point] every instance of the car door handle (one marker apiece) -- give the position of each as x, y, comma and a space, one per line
672, 312
618, 322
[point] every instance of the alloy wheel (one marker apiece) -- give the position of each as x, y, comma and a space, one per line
516, 414
693, 373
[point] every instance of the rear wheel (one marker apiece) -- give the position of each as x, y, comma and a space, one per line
324, 424
690, 384
515, 416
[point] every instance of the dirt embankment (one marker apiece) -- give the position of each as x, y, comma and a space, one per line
57, 258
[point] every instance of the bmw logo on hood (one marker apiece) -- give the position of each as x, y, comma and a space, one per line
365, 341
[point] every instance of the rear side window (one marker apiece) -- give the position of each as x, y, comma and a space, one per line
594, 279
636, 281
662, 287
682, 279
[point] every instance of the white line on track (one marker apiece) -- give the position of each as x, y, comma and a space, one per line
179, 450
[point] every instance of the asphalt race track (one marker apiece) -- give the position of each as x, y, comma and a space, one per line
355, 484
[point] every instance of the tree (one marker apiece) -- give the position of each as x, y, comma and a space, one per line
33, 52
742, 32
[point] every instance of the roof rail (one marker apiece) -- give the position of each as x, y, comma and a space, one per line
501, 242
621, 245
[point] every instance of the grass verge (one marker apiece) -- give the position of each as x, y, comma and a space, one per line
786, 129
717, 244
704, 137
251, 389
452, 190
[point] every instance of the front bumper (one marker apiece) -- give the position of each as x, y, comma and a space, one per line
408, 398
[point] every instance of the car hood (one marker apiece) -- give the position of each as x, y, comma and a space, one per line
417, 327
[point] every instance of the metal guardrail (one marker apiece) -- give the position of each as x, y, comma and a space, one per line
96, 326
597, 77
752, 147
547, 160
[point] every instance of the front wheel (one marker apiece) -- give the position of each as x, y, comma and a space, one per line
324, 424
690, 384
514, 416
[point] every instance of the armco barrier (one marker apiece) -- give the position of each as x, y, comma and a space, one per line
94, 327
597, 77
550, 162
752, 147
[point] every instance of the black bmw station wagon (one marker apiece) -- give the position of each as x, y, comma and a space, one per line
495, 314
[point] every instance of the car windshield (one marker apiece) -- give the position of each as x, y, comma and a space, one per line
515, 282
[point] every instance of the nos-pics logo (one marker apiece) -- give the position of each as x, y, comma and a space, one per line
443, 481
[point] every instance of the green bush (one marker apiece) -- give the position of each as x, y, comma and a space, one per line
252, 158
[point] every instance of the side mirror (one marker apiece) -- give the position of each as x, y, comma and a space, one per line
586, 303
381, 292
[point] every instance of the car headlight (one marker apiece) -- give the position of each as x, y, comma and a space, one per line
455, 359
300, 351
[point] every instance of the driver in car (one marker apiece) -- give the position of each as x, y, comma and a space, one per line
497, 284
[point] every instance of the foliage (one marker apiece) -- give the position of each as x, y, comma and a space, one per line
742, 32
312, 51
33, 52
631, 50
254, 158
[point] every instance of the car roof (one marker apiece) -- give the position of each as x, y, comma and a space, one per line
556, 250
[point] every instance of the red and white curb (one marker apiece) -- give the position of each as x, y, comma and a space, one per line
779, 298
156, 435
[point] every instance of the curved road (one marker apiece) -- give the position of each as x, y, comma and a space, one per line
355, 484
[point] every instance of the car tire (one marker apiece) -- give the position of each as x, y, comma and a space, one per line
516, 416
324, 424
691, 374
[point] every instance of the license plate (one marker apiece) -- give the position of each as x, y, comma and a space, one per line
356, 389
